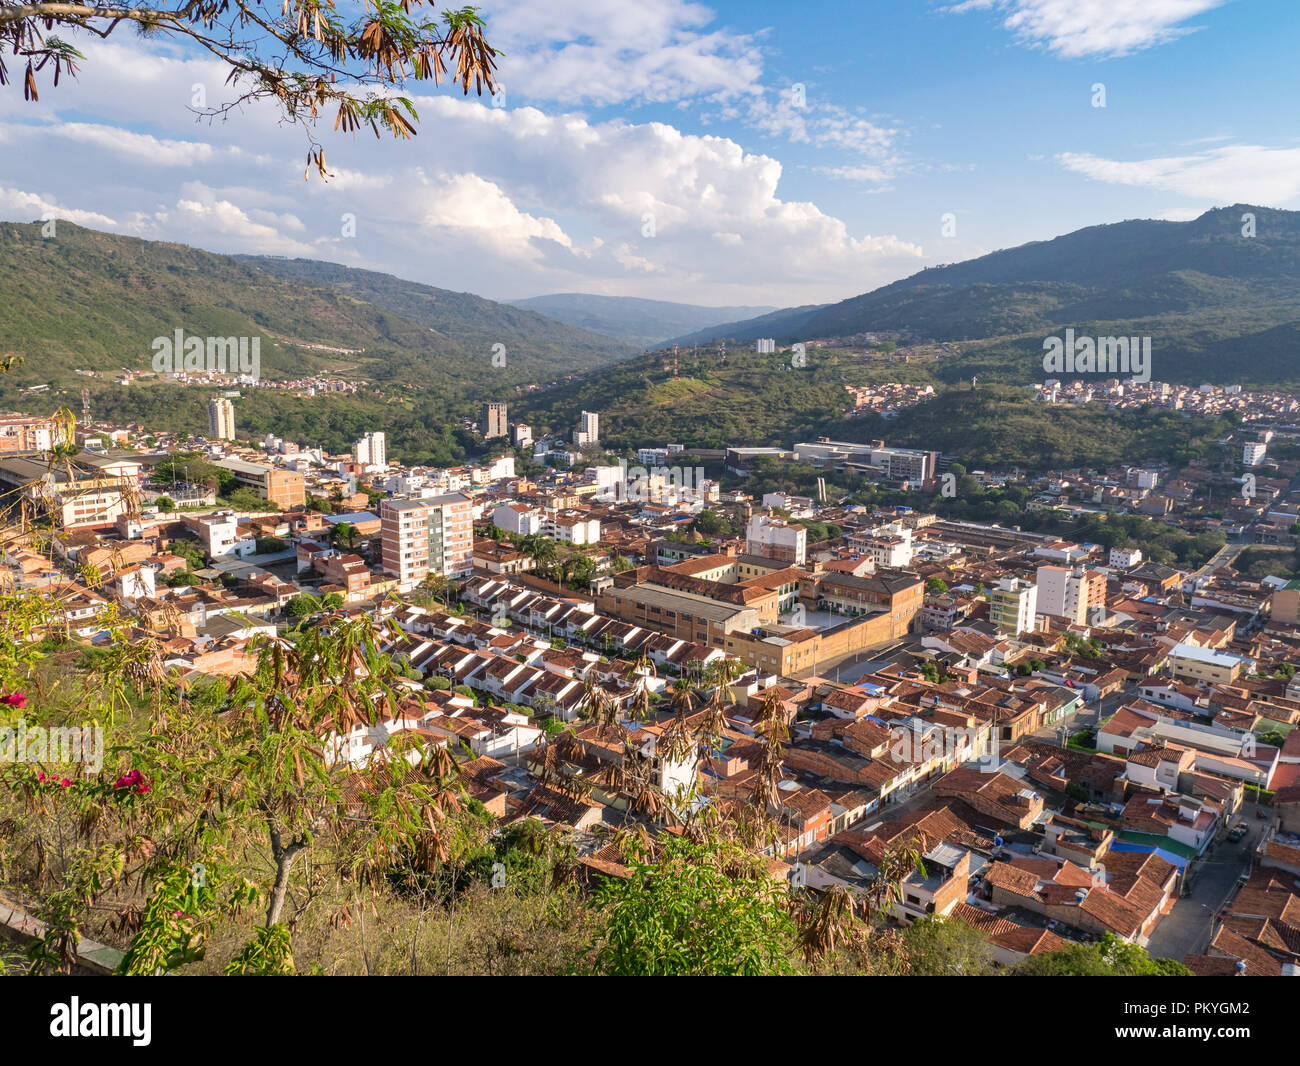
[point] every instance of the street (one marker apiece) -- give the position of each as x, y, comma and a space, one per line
1186, 929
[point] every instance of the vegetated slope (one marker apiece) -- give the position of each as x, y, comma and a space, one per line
537, 347
645, 323
87, 300
1218, 305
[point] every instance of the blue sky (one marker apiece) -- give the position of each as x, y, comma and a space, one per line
682, 115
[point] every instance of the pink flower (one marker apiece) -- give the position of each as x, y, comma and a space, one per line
134, 780
15, 699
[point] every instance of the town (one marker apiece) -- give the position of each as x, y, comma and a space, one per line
1080, 741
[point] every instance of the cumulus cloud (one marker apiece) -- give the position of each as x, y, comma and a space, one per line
26, 206
505, 201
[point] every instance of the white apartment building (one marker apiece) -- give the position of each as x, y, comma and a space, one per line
219, 534
1125, 558
519, 519
431, 535
371, 450
774, 538
1070, 594
1252, 454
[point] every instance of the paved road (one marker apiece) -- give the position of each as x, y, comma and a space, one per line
1186, 929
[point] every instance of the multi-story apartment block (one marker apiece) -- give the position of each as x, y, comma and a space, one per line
221, 419
1070, 594
494, 421
1013, 605
371, 450
432, 535
1125, 558
1252, 454
588, 431
22, 433
88, 490
774, 538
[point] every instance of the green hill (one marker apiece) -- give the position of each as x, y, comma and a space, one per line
1200, 289
644, 323
86, 300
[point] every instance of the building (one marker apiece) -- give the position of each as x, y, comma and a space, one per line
86, 490
1252, 454
284, 488
433, 535
1125, 558
1013, 605
221, 419
588, 431
1070, 594
892, 464
371, 450
24, 433
1192, 663
494, 421
219, 534
774, 538
519, 519
523, 435
1286, 603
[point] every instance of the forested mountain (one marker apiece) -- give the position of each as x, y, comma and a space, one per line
645, 323
1224, 284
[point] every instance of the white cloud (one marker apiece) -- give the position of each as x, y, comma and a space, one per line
28, 206
598, 52
1077, 28
467, 204
502, 201
1236, 174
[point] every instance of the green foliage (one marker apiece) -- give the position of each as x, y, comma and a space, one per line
302, 605
268, 954
697, 910
1108, 957
945, 947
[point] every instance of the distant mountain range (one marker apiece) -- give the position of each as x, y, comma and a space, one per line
90, 300
1219, 303
644, 323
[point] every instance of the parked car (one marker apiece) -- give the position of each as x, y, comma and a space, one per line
1237, 832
